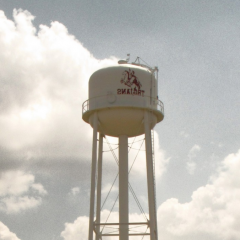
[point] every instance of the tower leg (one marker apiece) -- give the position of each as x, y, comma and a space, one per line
99, 186
123, 187
150, 179
93, 176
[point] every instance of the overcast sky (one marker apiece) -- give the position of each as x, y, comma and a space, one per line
48, 50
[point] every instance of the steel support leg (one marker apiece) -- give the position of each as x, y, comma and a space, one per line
93, 176
150, 180
123, 187
99, 187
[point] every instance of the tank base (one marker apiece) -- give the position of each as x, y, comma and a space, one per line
122, 121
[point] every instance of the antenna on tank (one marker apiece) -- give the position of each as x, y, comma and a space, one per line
140, 62
122, 61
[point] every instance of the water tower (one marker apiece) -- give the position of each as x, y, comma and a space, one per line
123, 102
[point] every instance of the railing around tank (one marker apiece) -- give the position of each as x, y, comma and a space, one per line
110, 101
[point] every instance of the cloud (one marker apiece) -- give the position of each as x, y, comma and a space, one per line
18, 192
77, 229
5, 233
161, 162
184, 134
74, 191
43, 83
213, 213
191, 165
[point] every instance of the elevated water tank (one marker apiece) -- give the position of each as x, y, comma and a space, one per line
120, 94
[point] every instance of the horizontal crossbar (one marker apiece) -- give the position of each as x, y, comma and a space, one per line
130, 234
132, 223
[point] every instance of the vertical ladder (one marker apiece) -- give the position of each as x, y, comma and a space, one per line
154, 180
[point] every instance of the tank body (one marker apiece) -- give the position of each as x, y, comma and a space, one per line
120, 94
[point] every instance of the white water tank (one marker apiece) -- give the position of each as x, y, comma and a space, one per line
120, 94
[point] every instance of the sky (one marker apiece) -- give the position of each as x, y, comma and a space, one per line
48, 51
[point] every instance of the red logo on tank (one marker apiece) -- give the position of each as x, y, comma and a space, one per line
130, 79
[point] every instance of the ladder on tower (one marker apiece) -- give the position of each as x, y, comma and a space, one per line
154, 177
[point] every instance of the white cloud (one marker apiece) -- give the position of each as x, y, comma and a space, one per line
44, 77
161, 162
192, 153
39, 188
74, 191
15, 204
15, 188
76, 230
184, 134
43, 83
5, 233
213, 213
191, 165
